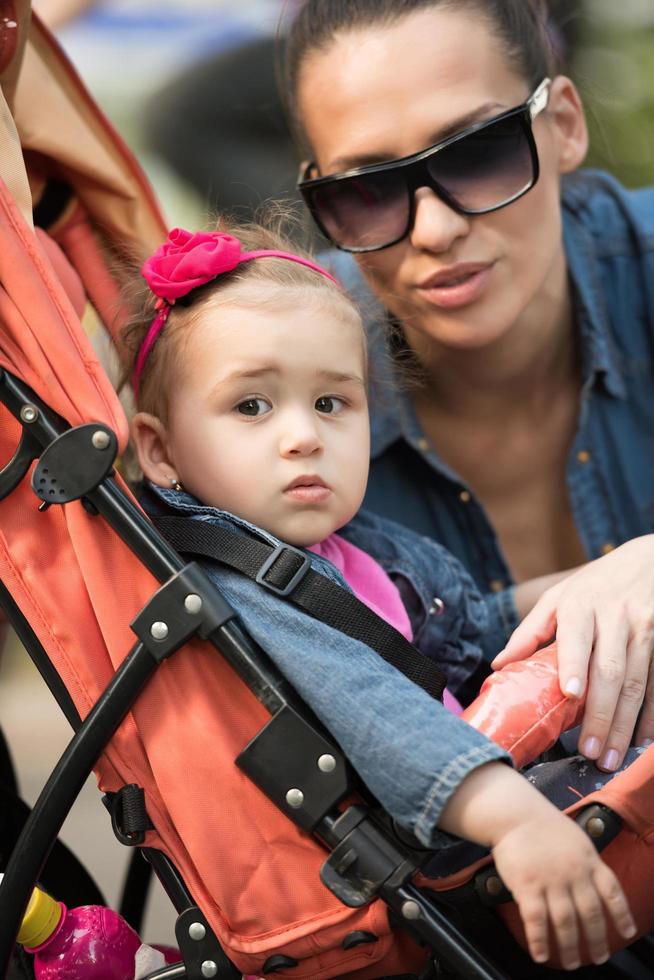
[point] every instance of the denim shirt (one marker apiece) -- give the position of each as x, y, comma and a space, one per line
407, 748
609, 243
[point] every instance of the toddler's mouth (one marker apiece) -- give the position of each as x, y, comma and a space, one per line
308, 489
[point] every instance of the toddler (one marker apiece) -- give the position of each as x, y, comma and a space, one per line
249, 370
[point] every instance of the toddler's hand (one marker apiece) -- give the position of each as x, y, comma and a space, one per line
558, 880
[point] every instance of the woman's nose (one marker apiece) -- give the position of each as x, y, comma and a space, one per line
300, 437
436, 226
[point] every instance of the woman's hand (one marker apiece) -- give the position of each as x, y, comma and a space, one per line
602, 616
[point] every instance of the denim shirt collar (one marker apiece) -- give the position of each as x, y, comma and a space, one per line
182, 501
394, 417
600, 359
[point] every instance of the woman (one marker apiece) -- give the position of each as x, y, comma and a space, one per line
530, 324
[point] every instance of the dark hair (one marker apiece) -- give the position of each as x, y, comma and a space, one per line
521, 26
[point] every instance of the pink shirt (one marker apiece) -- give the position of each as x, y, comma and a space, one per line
371, 585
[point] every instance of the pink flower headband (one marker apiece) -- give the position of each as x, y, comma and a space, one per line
187, 260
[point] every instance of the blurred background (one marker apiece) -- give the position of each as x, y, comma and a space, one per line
190, 85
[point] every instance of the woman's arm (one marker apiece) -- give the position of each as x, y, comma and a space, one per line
549, 864
527, 594
602, 616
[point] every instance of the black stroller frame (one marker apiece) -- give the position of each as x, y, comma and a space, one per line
367, 858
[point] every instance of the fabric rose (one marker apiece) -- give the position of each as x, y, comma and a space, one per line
189, 259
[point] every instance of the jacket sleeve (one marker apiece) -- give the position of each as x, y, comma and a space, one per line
502, 620
409, 751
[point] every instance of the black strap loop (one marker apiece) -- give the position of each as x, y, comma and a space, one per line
287, 572
129, 818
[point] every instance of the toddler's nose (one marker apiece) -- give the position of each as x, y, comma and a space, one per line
301, 438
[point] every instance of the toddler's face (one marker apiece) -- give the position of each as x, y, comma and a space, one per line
270, 418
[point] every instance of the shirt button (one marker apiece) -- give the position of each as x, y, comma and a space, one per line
464, 496
583, 456
437, 607
496, 585
423, 444
606, 548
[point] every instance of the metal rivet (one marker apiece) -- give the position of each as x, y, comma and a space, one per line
595, 827
209, 969
411, 910
197, 931
159, 631
29, 413
465, 496
494, 885
100, 439
437, 607
496, 585
583, 455
295, 798
326, 763
193, 604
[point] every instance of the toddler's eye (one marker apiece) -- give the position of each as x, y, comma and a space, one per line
329, 404
254, 407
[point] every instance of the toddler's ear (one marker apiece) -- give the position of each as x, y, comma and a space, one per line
151, 443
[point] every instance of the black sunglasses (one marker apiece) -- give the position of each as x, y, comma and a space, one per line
481, 169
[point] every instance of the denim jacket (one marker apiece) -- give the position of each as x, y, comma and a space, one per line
410, 752
609, 244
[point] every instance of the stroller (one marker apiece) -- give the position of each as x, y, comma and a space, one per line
274, 865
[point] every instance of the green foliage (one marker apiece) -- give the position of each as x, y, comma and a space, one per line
613, 65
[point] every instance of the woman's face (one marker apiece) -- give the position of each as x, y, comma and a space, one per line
384, 92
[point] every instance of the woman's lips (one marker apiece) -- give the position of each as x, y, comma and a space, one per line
457, 287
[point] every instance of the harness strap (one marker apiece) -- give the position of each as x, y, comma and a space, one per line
287, 572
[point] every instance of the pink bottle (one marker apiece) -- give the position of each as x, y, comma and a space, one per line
86, 943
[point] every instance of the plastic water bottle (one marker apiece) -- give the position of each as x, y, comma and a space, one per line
86, 943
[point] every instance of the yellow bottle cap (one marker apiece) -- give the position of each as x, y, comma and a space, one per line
42, 916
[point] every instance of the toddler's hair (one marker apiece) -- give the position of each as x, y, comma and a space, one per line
277, 277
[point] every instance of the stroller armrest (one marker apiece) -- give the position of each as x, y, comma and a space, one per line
522, 708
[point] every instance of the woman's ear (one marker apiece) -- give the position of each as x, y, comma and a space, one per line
150, 440
571, 133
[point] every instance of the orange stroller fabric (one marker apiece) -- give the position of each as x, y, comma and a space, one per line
251, 871
79, 586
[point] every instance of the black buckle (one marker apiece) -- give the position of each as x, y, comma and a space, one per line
294, 580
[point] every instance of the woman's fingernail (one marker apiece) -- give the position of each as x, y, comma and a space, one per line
591, 747
573, 687
610, 760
